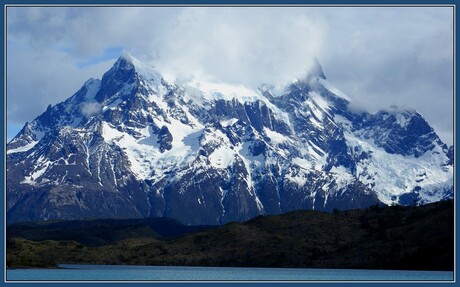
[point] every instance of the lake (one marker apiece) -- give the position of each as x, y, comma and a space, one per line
70, 272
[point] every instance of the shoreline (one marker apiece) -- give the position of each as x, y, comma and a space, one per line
59, 266
33, 267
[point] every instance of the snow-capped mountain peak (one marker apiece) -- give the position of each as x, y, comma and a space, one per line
316, 71
133, 145
126, 76
146, 72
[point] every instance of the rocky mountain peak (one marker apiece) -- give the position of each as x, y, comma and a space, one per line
131, 145
316, 71
126, 76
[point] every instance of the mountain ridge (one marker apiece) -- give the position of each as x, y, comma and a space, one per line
134, 145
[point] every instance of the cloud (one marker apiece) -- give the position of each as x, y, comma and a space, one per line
399, 57
35, 80
89, 109
378, 56
232, 44
241, 45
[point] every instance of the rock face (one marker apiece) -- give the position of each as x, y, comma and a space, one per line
134, 145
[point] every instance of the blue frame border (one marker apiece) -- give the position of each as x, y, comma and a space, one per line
377, 3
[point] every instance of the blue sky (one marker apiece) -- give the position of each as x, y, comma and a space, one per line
109, 55
87, 67
12, 130
378, 56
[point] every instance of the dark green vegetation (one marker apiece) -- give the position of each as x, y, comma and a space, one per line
97, 232
396, 237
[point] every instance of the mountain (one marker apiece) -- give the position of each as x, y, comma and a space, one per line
133, 145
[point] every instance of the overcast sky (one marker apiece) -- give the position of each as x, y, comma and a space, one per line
377, 56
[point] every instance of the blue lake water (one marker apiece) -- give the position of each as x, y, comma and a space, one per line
72, 272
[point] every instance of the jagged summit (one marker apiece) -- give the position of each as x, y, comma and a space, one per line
317, 70
127, 57
123, 63
127, 61
125, 77
133, 145
312, 75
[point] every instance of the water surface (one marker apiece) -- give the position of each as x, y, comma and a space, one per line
71, 272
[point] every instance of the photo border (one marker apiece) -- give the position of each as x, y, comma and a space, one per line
219, 3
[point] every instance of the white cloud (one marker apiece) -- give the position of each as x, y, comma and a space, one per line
241, 45
89, 109
36, 80
378, 56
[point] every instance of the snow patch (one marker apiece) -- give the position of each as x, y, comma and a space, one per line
113, 105
331, 88
403, 119
392, 175
146, 160
92, 87
32, 178
275, 137
342, 176
299, 178
320, 102
23, 148
229, 122
303, 163
221, 91
222, 157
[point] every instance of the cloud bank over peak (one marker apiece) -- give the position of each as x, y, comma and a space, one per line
377, 56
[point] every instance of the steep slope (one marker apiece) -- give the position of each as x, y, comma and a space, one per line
134, 145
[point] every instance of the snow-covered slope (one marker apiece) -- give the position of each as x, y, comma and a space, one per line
135, 145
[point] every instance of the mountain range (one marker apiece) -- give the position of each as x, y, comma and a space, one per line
134, 145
